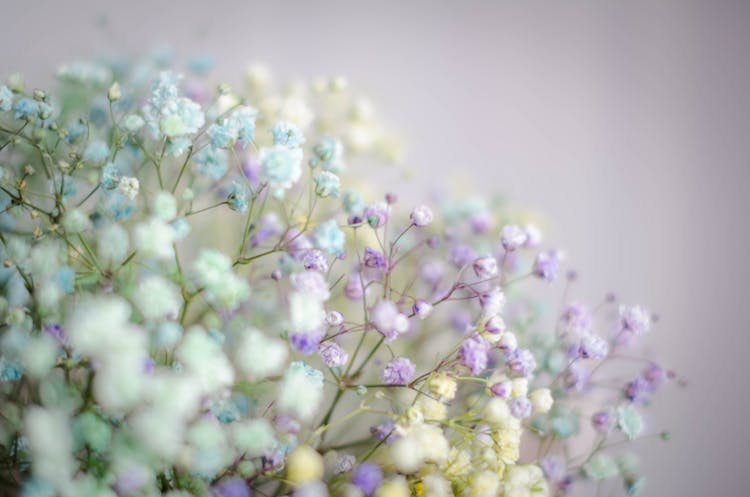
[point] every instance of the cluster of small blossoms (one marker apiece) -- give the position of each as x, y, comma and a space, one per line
195, 302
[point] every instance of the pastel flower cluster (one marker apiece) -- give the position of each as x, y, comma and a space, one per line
197, 300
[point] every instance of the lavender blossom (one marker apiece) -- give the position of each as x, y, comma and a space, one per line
398, 371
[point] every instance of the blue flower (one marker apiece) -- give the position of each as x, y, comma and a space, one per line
202, 64
353, 203
75, 130
10, 370
25, 108
211, 162
328, 153
286, 133
110, 176
65, 279
238, 196
327, 184
220, 135
96, 151
243, 122
6, 98
178, 146
329, 238
280, 166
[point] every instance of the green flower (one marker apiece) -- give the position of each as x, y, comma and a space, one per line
600, 467
629, 420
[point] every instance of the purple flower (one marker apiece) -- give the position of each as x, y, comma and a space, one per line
593, 347
520, 407
398, 371
495, 325
272, 460
235, 487
314, 260
638, 390
553, 467
312, 283
353, 289
268, 226
576, 319
334, 318
332, 354
376, 214
461, 255
56, 332
387, 319
474, 353
485, 267
603, 421
367, 477
576, 377
512, 237
374, 259
306, 342
461, 320
421, 308
635, 319
521, 362
432, 272
655, 376
480, 223
533, 236
547, 265
385, 431
286, 424
502, 389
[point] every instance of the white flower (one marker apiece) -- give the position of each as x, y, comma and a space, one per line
306, 313
112, 244
301, 391
259, 356
253, 437
75, 221
202, 356
50, 444
128, 186
512, 237
154, 239
421, 216
541, 400
164, 206
482, 484
157, 298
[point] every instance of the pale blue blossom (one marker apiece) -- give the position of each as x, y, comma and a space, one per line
286, 133
25, 108
327, 184
280, 166
6, 98
328, 154
238, 196
211, 162
97, 151
330, 238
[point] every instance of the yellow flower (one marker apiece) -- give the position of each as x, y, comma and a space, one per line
395, 487
443, 386
305, 465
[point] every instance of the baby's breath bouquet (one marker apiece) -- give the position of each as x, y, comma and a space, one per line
196, 301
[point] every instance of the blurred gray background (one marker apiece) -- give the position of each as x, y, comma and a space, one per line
627, 124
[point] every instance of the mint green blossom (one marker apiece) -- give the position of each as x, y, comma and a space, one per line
327, 184
6, 98
629, 420
329, 238
280, 166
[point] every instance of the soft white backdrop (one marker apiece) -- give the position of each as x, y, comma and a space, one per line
625, 123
